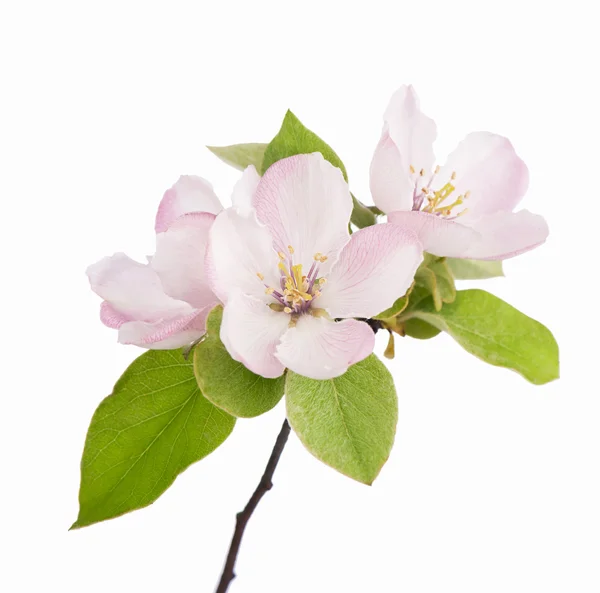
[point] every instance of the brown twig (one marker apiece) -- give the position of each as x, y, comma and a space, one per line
243, 517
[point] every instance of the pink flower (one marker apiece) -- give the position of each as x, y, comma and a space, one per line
287, 269
463, 209
163, 304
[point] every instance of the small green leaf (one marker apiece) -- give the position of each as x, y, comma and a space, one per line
495, 332
419, 329
434, 276
348, 422
397, 308
229, 384
241, 156
473, 269
444, 280
362, 216
154, 425
294, 138
425, 278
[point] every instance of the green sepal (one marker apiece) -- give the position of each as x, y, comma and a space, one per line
154, 425
473, 269
241, 156
227, 383
295, 138
348, 422
495, 332
435, 276
398, 307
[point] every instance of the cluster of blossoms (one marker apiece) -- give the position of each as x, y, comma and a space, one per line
295, 285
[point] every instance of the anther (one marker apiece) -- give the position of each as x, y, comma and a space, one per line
260, 276
269, 290
453, 176
287, 310
291, 250
412, 169
437, 170
281, 255
422, 172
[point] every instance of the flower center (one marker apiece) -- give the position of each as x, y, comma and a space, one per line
296, 291
438, 201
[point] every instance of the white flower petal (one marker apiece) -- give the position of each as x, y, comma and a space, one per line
251, 331
445, 238
376, 267
189, 194
487, 167
305, 202
322, 349
239, 249
244, 189
179, 259
506, 234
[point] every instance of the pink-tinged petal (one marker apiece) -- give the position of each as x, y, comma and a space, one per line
244, 189
506, 234
134, 290
390, 182
179, 259
305, 202
111, 317
239, 249
251, 331
439, 236
166, 334
376, 267
189, 194
323, 349
487, 167
411, 130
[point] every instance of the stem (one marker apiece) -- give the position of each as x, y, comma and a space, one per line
243, 517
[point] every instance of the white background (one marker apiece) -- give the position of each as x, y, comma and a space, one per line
493, 483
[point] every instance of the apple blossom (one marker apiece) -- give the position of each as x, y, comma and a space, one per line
293, 280
164, 303
463, 209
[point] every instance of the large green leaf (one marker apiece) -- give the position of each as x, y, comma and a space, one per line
348, 422
294, 138
473, 269
496, 332
153, 426
241, 156
228, 383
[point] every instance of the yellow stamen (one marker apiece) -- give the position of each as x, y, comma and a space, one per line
412, 169
291, 250
269, 290
281, 255
437, 170
287, 310
260, 276
453, 176
422, 172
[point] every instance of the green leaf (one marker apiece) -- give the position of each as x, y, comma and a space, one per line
473, 269
419, 329
497, 333
294, 138
229, 384
154, 425
241, 156
348, 422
